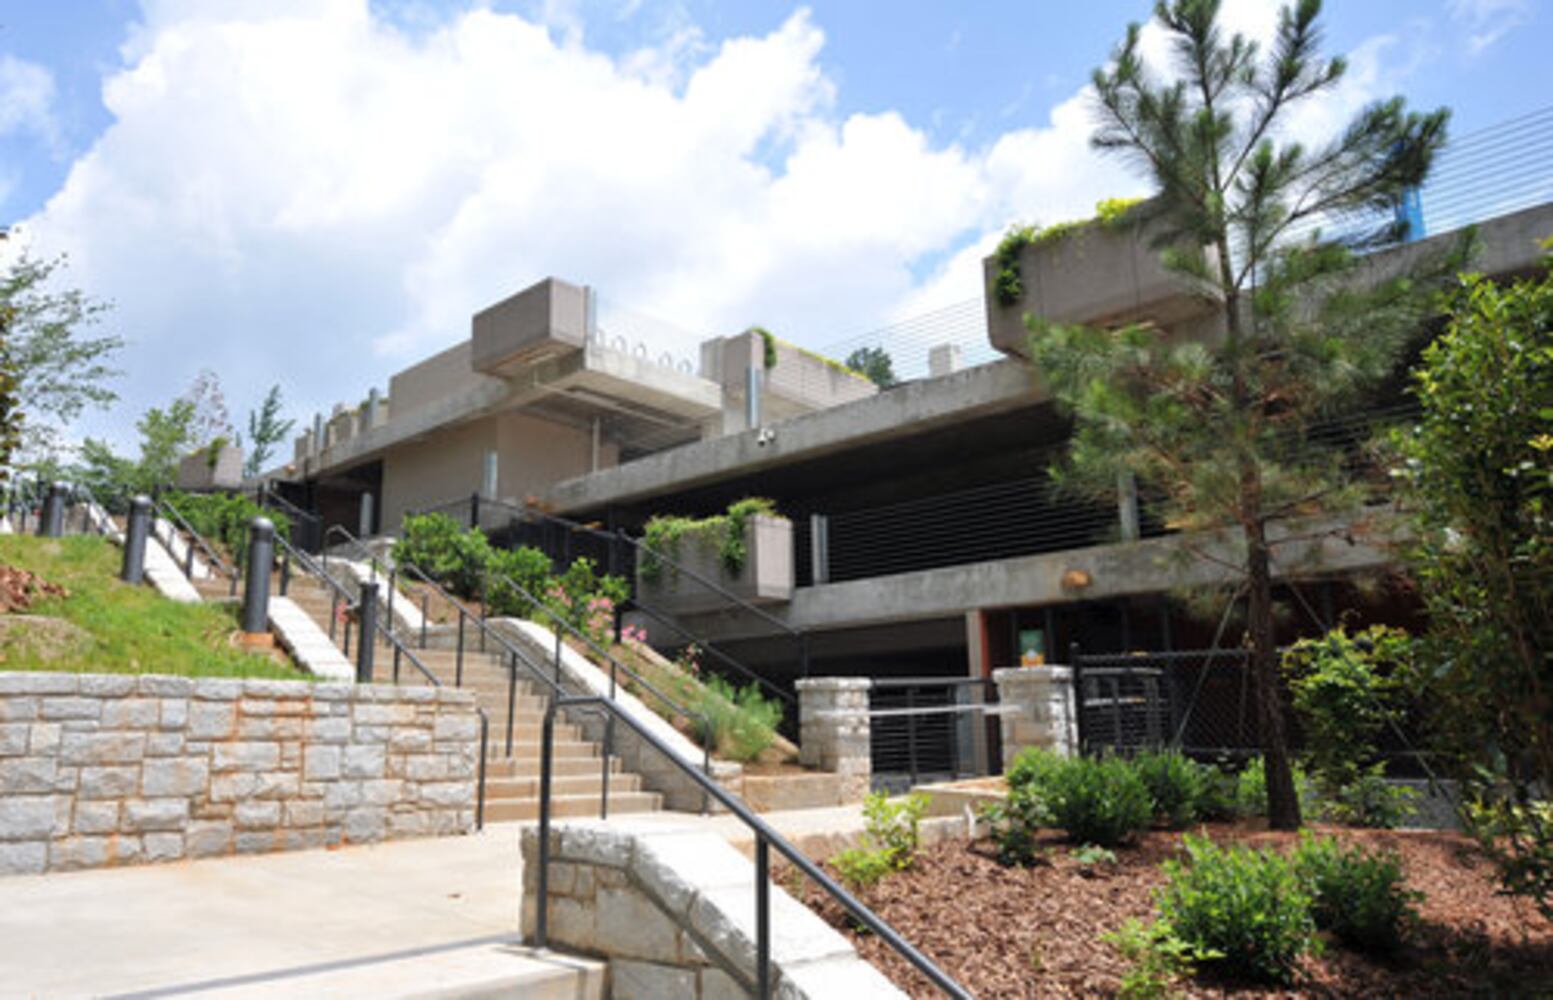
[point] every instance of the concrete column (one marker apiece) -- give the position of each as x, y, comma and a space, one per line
1038, 709
833, 730
943, 360
1127, 506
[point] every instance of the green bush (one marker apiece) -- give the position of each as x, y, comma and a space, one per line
1370, 800
1358, 896
1178, 786
527, 567
1098, 800
586, 601
890, 838
444, 550
1157, 959
1250, 907
224, 518
1032, 768
743, 721
1014, 823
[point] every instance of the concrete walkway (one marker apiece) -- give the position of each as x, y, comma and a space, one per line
399, 919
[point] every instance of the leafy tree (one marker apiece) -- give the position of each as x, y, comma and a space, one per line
165, 436
874, 363
57, 371
265, 430
1478, 483
1215, 426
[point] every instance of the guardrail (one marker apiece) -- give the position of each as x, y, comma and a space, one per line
766, 838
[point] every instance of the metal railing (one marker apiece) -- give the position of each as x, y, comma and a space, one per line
310, 523
766, 838
163, 512
926, 726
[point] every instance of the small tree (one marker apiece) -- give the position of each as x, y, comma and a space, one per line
875, 364
265, 430
1478, 482
1215, 426
57, 371
209, 422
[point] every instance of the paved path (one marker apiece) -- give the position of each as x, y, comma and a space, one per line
309, 923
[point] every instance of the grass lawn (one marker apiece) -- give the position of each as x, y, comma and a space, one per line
106, 626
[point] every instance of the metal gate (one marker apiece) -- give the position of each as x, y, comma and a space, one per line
1200, 700
927, 729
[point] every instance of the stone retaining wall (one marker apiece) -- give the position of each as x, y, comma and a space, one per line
100, 770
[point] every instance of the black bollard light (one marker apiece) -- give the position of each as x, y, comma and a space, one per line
135, 534
261, 562
52, 524
364, 648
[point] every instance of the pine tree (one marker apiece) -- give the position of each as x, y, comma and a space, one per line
265, 430
1215, 427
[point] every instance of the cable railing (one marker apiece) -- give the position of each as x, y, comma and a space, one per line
766, 838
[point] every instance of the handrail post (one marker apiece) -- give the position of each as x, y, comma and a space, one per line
474, 510
458, 661
135, 532
542, 907
762, 916
485, 740
285, 570
368, 616
423, 619
512, 698
609, 735
256, 591
393, 579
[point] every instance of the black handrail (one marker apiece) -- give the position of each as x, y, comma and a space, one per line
177, 522
766, 837
299, 517
692, 639
338, 594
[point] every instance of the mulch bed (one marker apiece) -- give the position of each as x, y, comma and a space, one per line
20, 587
1035, 932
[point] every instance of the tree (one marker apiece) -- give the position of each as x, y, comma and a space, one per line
875, 364
165, 436
58, 372
1215, 426
1477, 482
265, 431
210, 422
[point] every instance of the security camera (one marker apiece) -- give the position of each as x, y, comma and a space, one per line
765, 436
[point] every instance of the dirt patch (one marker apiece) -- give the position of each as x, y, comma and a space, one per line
32, 637
19, 588
1035, 932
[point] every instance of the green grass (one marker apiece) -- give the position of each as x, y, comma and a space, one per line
118, 628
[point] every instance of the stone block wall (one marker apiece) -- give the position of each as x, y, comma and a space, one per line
1038, 709
672, 910
834, 731
100, 770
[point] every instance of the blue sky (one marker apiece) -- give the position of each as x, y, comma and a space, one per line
252, 182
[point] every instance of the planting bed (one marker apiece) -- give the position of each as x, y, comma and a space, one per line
1035, 932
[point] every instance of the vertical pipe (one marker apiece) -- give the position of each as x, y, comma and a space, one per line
542, 900
458, 659
423, 619
261, 561
135, 532
762, 916
368, 642
819, 549
512, 697
285, 570
911, 732
485, 740
609, 736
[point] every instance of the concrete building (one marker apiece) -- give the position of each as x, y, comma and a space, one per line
927, 538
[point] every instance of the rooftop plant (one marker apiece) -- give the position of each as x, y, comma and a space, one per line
664, 535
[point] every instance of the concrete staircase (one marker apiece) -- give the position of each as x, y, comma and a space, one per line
512, 782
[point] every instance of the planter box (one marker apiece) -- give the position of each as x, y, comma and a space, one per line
767, 576
197, 472
1104, 275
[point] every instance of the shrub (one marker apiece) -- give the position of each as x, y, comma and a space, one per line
1098, 800
1370, 800
583, 599
663, 533
1249, 907
1518, 836
1157, 958
890, 838
1032, 768
224, 518
527, 567
441, 548
743, 721
1359, 897
1178, 786
1015, 822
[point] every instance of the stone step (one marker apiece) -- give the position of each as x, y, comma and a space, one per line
528, 767
573, 805
560, 785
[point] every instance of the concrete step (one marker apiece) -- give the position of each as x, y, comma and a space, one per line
525, 767
573, 805
570, 784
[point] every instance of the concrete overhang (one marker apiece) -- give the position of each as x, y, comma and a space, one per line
902, 411
1117, 570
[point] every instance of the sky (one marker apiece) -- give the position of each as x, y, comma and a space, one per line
317, 193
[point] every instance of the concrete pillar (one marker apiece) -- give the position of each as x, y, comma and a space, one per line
943, 360
833, 730
1127, 506
1038, 710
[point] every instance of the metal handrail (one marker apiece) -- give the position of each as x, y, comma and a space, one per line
88, 501
338, 593
298, 516
766, 837
177, 522
692, 638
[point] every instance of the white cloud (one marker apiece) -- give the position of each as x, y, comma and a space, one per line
1487, 21
26, 97
301, 192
